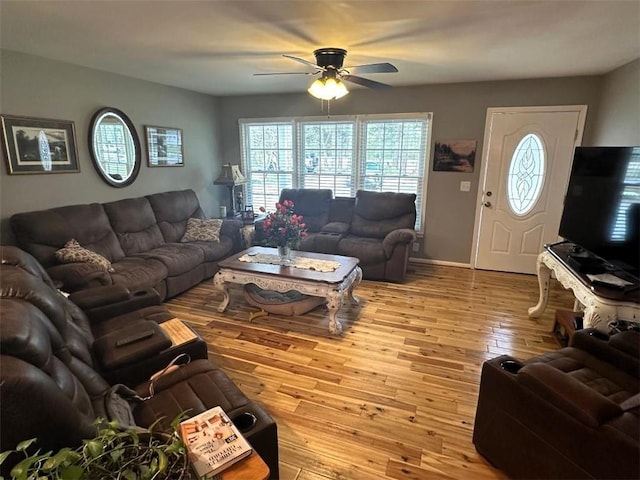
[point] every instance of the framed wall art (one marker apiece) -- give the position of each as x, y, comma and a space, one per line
454, 156
39, 145
164, 146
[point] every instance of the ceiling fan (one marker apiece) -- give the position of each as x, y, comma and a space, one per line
329, 62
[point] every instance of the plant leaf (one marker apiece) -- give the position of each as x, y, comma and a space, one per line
22, 446
3, 457
72, 472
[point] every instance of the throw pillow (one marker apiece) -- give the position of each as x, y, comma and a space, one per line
202, 230
73, 252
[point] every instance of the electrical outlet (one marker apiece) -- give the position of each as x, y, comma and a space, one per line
416, 247
465, 186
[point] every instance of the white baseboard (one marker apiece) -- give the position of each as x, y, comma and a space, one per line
428, 261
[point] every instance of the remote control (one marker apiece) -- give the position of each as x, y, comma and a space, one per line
136, 337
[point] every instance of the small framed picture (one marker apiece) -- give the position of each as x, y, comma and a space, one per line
454, 156
39, 145
164, 146
247, 215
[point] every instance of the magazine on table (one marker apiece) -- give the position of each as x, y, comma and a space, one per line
213, 442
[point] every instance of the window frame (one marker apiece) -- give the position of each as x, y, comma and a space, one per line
358, 162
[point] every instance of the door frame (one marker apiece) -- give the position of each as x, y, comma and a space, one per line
581, 109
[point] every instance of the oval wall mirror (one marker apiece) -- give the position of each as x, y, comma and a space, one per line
114, 147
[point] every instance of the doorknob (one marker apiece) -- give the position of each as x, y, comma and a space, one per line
487, 204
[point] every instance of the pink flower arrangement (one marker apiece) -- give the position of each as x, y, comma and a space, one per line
283, 228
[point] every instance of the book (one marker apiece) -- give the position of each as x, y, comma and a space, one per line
213, 442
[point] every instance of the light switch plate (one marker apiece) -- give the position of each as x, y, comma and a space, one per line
465, 186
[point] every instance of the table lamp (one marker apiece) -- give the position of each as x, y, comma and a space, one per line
230, 176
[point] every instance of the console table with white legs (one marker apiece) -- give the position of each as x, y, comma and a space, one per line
601, 305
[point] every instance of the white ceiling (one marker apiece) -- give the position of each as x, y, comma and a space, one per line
215, 47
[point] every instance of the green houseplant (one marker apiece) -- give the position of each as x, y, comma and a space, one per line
114, 453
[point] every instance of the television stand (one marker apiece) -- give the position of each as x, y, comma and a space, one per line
601, 305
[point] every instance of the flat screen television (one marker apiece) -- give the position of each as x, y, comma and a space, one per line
602, 206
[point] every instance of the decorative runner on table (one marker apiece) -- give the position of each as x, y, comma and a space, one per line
296, 262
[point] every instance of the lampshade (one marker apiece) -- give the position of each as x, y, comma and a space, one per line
230, 175
328, 88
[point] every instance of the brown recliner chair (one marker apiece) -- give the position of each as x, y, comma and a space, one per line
51, 385
381, 234
573, 413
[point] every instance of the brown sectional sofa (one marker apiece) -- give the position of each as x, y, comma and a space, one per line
54, 383
375, 227
139, 236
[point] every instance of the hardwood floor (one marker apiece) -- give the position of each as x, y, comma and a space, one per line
394, 396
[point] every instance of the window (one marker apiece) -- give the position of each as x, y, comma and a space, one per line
268, 161
384, 153
526, 175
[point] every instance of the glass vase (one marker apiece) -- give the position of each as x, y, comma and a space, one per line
285, 254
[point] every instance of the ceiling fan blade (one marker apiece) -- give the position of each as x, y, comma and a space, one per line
365, 82
303, 61
289, 73
372, 68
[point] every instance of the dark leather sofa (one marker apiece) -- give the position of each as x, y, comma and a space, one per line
375, 227
139, 236
573, 413
51, 380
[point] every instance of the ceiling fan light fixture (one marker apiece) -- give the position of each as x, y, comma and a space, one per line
328, 88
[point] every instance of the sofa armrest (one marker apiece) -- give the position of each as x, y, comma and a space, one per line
232, 228
78, 276
401, 236
100, 296
112, 354
568, 394
100, 303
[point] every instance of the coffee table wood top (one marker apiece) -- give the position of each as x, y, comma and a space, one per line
347, 264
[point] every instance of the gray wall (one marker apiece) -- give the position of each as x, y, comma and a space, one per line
618, 123
459, 113
33, 86
37, 87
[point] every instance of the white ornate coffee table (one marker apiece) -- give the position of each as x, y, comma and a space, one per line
282, 278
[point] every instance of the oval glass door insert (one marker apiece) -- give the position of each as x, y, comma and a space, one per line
526, 175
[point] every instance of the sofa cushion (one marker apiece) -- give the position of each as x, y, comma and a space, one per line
214, 251
367, 250
44, 232
178, 258
73, 252
378, 213
312, 204
172, 210
134, 223
138, 273
202, 230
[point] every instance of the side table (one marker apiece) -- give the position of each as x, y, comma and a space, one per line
251, 468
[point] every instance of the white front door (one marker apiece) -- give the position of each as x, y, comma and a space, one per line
527, 159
